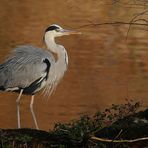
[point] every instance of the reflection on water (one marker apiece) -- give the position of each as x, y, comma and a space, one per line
104, 67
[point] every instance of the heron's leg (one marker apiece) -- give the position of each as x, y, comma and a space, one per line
32, 112
18, 108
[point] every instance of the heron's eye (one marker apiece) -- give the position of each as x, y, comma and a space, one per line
57, 30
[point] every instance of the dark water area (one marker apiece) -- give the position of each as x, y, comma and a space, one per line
104, 67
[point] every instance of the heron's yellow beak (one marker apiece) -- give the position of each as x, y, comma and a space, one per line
68, 32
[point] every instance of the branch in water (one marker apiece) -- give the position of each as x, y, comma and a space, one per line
113, 23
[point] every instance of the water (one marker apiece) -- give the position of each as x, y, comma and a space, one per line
104, 67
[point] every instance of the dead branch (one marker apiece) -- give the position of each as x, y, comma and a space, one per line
118, 141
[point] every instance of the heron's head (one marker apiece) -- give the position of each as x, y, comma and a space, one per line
57, 31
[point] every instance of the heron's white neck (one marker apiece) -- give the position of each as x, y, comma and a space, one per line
57, 49
60, 66
50, 43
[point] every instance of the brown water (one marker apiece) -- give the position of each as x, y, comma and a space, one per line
104, 68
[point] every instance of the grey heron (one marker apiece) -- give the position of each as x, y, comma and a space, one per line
29, 69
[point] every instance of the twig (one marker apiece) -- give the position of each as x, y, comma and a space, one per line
134, 20
119, 141
118, 134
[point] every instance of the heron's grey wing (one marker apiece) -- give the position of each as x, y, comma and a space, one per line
24, 67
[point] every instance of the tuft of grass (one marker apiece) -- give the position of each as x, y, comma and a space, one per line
80, 131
